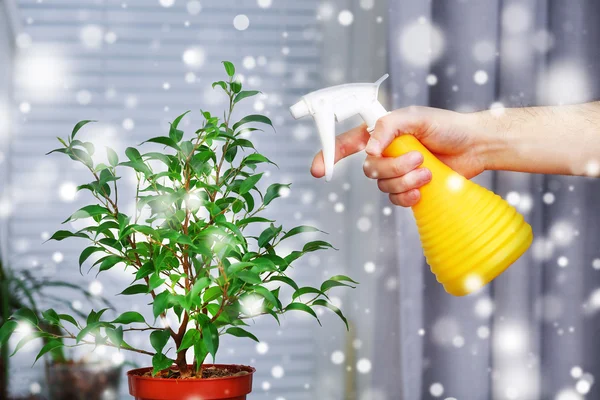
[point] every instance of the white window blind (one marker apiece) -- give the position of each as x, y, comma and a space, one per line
122, 63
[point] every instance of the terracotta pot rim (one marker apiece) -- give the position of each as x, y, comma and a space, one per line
132, 373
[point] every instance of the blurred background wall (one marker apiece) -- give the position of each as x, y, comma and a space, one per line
135, 65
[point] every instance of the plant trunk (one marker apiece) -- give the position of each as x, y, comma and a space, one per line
184, 370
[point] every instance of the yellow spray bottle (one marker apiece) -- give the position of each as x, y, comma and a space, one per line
469, 234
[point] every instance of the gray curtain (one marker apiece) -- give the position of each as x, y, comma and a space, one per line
532, 333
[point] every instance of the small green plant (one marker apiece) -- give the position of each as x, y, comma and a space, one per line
191, 253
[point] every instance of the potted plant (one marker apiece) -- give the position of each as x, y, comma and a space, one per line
22, 289
200, 253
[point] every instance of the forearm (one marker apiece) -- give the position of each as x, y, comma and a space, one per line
550, 140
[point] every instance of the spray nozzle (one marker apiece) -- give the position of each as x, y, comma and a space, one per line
339, 103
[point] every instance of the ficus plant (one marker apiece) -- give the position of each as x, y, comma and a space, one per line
187, 245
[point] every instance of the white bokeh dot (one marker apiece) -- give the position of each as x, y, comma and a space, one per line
128, 124
167, 3
363, 366
91, 36
548, 198
431, 80
436, 389
194, 57
562, 261
364, 224
58, 257
369, 267
67, 191
25, 107
194, 7
95, 288
264, 3
345, 17
480, 77
367, 4
262, 348
337, 357
249, 62
277, 372
596, 263
241, 22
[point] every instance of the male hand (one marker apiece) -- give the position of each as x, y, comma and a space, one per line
452, 137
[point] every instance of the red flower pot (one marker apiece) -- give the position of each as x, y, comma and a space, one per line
226, 388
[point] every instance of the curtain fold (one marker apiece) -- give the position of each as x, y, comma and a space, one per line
532, 333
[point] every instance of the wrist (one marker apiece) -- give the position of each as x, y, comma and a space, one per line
492, 138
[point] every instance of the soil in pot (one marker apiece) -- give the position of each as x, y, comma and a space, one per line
82, 381
218, 382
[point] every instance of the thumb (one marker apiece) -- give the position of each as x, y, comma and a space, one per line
399, 122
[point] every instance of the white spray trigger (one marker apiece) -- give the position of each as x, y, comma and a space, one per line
340, 102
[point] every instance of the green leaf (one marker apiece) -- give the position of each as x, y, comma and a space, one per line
133, 154
113, 158
160, 362
200, 285
87, 212
342, 278
257, 158
26, 339
78, 126
51, 345
115, 335
328, 284
268, 295
95, 316
129, 317
109, 262
212, 293
187, 148
189, 339
154, 282
160, 304
316, 245
239, 332
229, 68
81, 156
68, 318
323, 303
300, 229
89, 147
61, 235
200, 354
25, 314
252, 118
159, 339
273, 192
177, 120
210, 337
167, 141
249, 183
284, 279
244, 94
6, 330
302, 307
268, 234
86, 253
236, 86
307, 290
222, 84
135, 289
247, 221
51, 316
250, 277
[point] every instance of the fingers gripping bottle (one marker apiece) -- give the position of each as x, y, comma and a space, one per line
469, 234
